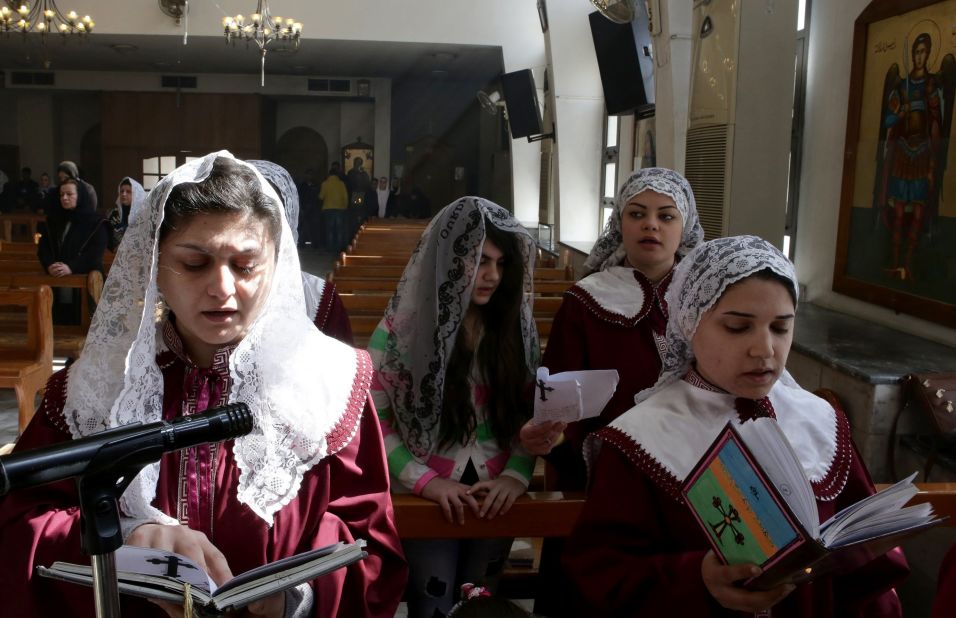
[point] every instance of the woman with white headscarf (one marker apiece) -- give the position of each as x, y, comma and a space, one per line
130, 196
615, 317
454, 357
637, 549
322, 303
204, 307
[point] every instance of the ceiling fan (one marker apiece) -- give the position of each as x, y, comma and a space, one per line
174, 8
491, 103
618, 11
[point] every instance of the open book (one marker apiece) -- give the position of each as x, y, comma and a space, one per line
750, 496
572, 395
163, 575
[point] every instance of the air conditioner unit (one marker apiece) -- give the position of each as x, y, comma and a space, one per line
741, 107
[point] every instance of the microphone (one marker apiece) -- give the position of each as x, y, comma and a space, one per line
130, 446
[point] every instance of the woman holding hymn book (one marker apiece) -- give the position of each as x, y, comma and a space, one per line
637, 548
203, 307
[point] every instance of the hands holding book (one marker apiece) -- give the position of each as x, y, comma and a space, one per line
539, 438
197, 547
723, 583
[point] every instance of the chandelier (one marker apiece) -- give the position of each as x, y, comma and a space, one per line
265, 30
43, 17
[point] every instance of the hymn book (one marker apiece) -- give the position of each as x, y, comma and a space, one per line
164, 575
572, 395
752, 499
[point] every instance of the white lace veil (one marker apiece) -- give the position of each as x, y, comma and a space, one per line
608, 250
274, 368
427, 310
281, 179
700, 279
139, 196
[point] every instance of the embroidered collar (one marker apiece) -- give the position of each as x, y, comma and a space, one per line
174, 343
621, 294
665, 435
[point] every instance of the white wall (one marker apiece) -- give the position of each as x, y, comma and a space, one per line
579, 117
828, 70
672, 67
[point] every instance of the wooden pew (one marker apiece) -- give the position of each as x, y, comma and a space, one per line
17, 248
11, 220
26, 366
347, 259
370, 270
375, 304
535, 514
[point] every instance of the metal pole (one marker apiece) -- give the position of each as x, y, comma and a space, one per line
105, 589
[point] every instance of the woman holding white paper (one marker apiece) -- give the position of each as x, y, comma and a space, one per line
637, 549
454, 361
615, 317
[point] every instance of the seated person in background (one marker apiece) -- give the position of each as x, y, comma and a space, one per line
72, 242
129, 199
637, 549
454, 358
67, 170
322, 302
212, 253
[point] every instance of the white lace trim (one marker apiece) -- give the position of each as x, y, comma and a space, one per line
297, 382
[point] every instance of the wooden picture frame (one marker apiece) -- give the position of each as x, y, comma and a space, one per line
896, 242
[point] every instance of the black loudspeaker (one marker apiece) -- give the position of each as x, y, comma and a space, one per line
625, 62
524, 115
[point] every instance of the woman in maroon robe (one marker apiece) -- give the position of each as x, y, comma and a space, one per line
213, 254
615, 317
636, 549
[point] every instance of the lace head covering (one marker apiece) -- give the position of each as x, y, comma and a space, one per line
700, 279
608, 250
424, 315
282, 181
116, 380
280, 178
139, 196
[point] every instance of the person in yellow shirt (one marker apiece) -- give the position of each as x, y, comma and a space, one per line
335, 200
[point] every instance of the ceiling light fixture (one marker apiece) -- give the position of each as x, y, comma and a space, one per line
43, 17
265, 30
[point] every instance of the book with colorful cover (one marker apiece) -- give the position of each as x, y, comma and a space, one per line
751, 498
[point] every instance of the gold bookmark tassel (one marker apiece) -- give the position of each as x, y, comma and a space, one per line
187, 600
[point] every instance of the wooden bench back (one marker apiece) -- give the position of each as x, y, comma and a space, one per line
38, 303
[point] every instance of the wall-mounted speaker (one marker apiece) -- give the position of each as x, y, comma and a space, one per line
524, 115
626, 63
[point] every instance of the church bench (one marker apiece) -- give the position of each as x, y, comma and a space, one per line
535, 514
17, 248
347, 259
375, 304
363, 325
396, 271
26, 366
11, 221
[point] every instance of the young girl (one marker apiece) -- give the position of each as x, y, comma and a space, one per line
130, 196
203, 307
637, 549
615, 318
322, 302
454, 357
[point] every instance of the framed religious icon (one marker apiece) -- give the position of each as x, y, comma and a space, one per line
896, 244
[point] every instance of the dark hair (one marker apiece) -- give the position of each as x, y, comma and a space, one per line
70, 181
229, 188
769, 275
489, 607
126, 182
501, 357
925, 39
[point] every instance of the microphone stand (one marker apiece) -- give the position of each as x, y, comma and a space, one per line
100, 530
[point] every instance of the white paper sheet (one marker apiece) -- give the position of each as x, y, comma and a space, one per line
572, 395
